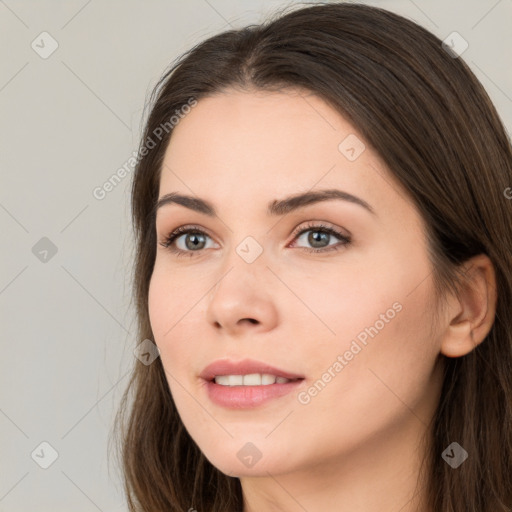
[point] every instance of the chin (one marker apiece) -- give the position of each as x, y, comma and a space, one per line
239, 457
235, 468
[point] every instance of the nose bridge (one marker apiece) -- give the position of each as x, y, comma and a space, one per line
247, 248
250, 250
245, 265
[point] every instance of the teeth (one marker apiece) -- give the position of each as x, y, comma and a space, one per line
267, 379
253, 379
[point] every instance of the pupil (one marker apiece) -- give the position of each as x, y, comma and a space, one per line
193, 245
316, 236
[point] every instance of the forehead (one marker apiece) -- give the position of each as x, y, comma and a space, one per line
272, 144
266, 126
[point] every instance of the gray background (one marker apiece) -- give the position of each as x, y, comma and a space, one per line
67, 123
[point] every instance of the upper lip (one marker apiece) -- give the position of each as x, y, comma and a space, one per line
244, 367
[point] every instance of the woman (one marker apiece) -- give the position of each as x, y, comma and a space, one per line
324, 263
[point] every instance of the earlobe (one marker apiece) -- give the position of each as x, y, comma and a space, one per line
472, 314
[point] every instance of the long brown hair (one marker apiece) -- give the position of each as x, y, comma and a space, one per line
433, 124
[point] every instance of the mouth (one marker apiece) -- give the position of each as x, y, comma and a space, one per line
246, 371
251, 379
247, 383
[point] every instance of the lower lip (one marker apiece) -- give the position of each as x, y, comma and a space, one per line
237, 397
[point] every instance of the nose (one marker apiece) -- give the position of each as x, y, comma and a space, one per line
242, 300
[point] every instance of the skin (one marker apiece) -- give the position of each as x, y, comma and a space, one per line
356, 446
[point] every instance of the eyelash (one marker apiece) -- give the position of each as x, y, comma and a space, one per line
168, 241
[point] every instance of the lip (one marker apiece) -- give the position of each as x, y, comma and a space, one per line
244, 367
238, 397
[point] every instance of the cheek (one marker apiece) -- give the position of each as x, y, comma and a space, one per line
376, 315
163, 313
342, 300
173, 310
159, 303
391, 371
169, 299
383, 381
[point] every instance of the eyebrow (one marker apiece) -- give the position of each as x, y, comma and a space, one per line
274, 208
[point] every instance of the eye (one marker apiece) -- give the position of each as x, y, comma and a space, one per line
195, 239
319, 235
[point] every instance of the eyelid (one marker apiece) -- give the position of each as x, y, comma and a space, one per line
184, 229
320, 224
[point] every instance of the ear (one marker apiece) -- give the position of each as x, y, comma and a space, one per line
472, 314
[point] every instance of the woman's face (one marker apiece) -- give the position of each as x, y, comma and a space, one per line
355, 323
